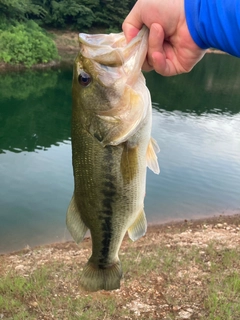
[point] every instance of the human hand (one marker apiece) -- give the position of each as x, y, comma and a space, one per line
171, 49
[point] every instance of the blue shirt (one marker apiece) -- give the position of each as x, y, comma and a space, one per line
215, 23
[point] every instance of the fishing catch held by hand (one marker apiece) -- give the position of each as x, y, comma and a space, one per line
111, 148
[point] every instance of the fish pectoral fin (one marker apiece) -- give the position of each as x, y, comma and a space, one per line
139, 227
75, 225
152, 161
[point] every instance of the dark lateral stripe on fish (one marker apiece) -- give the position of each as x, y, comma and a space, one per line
108, 191
109, 184
107, 235
107, 205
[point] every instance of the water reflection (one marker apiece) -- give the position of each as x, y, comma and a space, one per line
196, 121
35, 109
211, 87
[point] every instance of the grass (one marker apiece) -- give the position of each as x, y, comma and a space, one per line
223, 299
159, 282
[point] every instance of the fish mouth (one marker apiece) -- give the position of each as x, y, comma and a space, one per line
112, 49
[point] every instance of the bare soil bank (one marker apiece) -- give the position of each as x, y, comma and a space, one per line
170, 273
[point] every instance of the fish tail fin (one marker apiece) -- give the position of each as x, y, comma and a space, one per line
94, 278
75, 225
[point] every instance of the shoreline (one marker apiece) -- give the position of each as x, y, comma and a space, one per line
174, 226
67, 56
68, 47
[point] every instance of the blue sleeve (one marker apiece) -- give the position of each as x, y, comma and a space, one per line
215, 24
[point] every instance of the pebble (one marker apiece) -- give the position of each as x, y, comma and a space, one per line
19, 267
184, 315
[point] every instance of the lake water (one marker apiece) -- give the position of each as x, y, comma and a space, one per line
196, 121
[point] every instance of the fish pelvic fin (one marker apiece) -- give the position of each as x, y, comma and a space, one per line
75, 225
139, 227
152, 161
94, 278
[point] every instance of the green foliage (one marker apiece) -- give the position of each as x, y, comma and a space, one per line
26, 44
22, 41
111, 13
83, 14
68, 13
20, 10
73, 14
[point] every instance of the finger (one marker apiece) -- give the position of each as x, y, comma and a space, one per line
164, 63
161, 62
155, 41
133, 23
155, 48
130, 32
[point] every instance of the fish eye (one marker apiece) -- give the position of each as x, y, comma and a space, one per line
84, 79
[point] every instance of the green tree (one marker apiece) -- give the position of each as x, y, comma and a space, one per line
111, 13
20, 10
74, 14
84, 14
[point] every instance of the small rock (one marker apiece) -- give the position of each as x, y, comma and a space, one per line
209, 263
19, 267
34, 304
176, 308
184, 315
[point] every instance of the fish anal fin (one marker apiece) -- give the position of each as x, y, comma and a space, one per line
152, 161
94, 278
139, 227
75, 225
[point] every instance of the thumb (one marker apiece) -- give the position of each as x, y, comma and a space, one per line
133, 23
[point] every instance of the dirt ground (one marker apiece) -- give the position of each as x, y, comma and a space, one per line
145, 297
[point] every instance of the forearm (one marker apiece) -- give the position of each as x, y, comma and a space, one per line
215, 23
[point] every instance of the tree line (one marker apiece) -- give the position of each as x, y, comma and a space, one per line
22, 24
74, 14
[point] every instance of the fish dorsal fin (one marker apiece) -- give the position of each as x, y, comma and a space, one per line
152, 161
139, 227
75, 225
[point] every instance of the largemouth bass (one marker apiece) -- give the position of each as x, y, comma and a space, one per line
111, 148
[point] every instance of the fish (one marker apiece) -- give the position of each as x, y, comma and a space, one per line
111, 149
